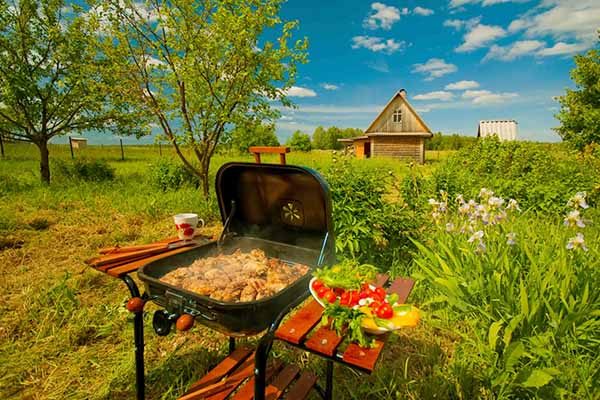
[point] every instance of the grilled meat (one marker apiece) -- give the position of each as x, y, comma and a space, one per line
236, 277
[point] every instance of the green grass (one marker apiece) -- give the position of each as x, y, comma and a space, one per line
64, 332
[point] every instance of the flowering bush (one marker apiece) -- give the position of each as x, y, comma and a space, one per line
524, 285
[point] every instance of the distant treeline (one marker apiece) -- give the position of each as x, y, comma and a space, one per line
240, 139
449, 142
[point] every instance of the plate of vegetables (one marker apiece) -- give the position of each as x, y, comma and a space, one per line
343, 290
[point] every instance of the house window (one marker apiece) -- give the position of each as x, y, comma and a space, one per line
397, 116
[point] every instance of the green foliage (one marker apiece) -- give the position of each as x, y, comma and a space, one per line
524, 290
299, 141
86, 170
579, 115
541, 176
200, 70
370, 226
327, 139
241, 138
167, 174
449, 142
49, 79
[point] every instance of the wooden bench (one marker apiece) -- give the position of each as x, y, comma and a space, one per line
233, 378
258, 150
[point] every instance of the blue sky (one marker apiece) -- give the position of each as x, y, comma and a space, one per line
459, 60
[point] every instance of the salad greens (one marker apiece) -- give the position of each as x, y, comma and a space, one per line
337, 317
348, 274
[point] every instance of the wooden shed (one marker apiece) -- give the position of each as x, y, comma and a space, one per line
78, 142
398, 132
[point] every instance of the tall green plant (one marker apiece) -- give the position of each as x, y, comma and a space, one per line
526, 289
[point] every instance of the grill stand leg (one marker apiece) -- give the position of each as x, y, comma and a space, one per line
231, 344
138, 334
329, 381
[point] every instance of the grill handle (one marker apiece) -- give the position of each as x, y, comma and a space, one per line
178, 303
226, 224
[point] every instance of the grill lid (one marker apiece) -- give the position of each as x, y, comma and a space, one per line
282, 203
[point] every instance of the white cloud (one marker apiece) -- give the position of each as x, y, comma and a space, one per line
377, 44
562, 48
485, 3
479, 36
422, 11
296, 91
382, 16
434, 68
379, 65
562, 19
459, 24
487, 97
437, 95
329, 86
462, 85
152, 62
515, 50
286, 118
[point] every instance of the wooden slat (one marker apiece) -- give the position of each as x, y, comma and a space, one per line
402, 287
324, 341
269, 149
134, 266
223, 368
295, 329
302, 387
246, 370
362, 358
246, 392
381, 279
281, 382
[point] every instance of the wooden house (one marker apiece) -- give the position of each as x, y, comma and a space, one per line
78, 142
398, 132
503, 128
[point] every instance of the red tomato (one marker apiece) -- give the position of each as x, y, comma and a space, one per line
317, 284
338, 291
375, 305
354, 297
363, 294
345, 299
385, 311
379, 291
329, 296
321, 291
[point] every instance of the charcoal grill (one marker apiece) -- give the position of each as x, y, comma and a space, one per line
283, 210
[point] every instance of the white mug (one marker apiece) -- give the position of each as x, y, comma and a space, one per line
186, 225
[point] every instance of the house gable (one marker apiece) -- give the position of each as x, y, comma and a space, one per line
409, 121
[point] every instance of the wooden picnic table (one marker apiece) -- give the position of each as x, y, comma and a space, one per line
246, 373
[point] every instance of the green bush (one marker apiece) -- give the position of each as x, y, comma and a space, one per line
525, 288
167, 174
86, 170
371, 225
541, 176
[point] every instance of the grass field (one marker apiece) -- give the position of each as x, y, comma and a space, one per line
64, 333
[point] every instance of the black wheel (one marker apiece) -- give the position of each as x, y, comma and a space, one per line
162, 322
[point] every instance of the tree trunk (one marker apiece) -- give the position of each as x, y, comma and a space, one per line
44, 161
205, 183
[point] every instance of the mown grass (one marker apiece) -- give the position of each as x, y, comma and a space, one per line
64, 332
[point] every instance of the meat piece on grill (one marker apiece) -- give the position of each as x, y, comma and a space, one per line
236, 277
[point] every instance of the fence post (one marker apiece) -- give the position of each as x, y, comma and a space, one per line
159, 148
1, 145
71, 147
122, 153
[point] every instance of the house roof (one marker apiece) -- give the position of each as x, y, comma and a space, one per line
400, 93
413, 134
81, 139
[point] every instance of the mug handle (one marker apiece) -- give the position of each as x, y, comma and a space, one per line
201, 220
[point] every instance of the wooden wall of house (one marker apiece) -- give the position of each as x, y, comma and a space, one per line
405, 148
359, 148
409, 123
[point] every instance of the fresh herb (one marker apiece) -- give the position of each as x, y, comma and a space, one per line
348, 274
339, 318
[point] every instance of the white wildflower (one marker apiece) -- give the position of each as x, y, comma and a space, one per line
510, 238
500, 217
577, 242
450, 227
513, 205
460, 199
476, 236
433, 202
480, 247
573, 219
464, 208
485, 194
578, 201
495, 202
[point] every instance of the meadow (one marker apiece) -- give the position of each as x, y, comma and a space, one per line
500, 319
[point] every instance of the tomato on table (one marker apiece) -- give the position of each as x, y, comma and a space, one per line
380, 292
321, 291
385, 311
317, 284
329, 296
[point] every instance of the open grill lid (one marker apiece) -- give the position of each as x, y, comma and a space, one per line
280, 203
